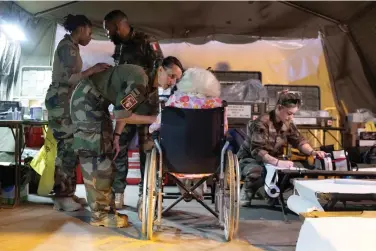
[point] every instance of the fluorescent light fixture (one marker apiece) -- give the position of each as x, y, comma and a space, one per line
13, 31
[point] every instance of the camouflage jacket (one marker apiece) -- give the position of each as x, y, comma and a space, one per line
267, 136
67, 61
66, 72
125, 87
139, 49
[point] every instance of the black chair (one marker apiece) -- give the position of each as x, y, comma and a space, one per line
192, 141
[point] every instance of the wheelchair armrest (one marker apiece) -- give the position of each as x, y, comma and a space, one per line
229, 137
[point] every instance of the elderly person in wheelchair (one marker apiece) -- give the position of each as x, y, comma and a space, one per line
264, 144
198, 89
190, 143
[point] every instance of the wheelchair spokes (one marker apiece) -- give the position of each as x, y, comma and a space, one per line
226, 194
229, 193
150, 196
237, 194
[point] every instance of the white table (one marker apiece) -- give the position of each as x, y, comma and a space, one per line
307, 192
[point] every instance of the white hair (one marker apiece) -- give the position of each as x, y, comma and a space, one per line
198, 80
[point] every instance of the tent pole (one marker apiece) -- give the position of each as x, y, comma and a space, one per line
332, 80
296, 6
344, 28
53, 9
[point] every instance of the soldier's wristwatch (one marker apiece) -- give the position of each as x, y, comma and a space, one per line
117, 134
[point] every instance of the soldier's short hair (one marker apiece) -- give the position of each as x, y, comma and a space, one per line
289, 99
115, 14
72, 22
169, 61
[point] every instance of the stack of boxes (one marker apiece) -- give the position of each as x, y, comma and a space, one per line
355, 132
134, 173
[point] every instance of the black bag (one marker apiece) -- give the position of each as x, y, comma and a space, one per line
369, 157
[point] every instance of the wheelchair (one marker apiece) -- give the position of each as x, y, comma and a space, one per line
191, 142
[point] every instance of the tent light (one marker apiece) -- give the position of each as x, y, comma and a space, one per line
13, 31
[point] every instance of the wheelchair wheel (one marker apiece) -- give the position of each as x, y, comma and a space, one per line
149, 196
229, 200
237, 194
217, 197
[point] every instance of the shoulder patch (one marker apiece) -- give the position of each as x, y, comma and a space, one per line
128, 102
154, 46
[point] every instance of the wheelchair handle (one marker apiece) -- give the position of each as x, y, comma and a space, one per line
229, 137
155, 135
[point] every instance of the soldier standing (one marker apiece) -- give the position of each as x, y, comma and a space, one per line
134, 47
126, 87
66, 73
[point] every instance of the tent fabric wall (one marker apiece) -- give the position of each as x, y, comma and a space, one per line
37, 49
10, 53
176, 20
39, 32
349, 82
364, 32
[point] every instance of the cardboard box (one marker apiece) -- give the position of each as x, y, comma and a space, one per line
8, 194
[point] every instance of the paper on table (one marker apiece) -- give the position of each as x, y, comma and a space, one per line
283, 168
271, 180
299, 205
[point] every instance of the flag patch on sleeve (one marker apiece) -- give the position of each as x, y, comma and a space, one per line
154, 46
128, 102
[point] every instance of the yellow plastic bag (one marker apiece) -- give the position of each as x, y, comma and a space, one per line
44, 164
370, 126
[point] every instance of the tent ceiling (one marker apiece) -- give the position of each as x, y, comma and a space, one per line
177, 19
169, 19
34, 7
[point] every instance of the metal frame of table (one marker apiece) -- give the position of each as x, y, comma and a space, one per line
325, 130
16, 127
292, 174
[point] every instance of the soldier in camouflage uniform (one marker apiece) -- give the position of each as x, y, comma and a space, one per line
264, 144
126, 87
66, 73
132, 47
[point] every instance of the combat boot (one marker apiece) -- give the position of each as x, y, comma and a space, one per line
81, 201
119, 200
66, 204
245, 197
115, 220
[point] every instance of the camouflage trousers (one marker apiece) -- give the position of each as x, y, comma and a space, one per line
252, 173
98, 174
145, 143
65, 168
59, 120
